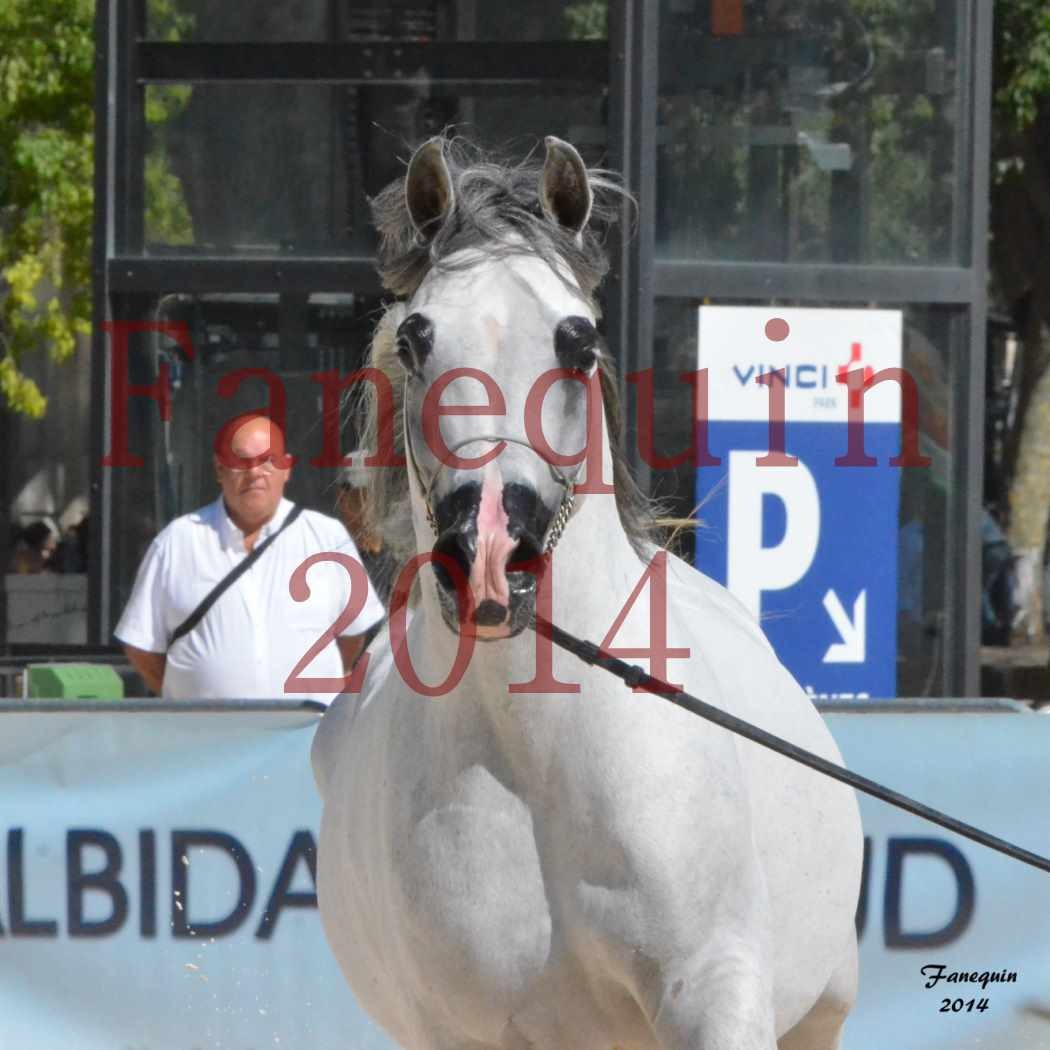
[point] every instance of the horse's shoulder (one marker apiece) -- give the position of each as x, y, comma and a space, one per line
692, 591
353, 713
326, 747
733, 657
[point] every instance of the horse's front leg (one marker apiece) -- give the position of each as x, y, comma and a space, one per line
720, 1001
713, 989
821, 1028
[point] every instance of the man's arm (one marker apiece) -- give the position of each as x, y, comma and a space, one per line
350, 647
149, 665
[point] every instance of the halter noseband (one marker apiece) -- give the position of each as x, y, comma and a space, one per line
561, 516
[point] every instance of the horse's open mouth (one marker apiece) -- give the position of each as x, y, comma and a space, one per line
489, 557
491, 601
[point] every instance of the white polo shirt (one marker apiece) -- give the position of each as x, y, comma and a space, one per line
252, 638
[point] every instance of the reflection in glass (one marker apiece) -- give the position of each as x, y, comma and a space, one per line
320, 20
816, 131
239, 342
243, 168
237, 170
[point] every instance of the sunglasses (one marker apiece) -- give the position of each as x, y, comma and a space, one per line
267, 465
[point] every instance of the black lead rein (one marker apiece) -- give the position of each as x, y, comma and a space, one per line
633, 676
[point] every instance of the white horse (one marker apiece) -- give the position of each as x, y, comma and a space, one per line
591, 870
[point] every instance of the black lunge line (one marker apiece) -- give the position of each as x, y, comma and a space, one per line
632, 675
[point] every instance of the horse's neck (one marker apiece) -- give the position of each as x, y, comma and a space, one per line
590, 566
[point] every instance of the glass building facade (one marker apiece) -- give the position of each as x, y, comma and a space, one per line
818, 153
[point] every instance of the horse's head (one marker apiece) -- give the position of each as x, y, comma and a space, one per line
499, 354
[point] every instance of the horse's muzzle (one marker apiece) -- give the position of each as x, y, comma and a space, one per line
490, 559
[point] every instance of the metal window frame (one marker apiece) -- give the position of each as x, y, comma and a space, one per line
964, 286
126, 63
963, 600
829, 283
100, 567
263, 274
629, 61
630, 295
531, 65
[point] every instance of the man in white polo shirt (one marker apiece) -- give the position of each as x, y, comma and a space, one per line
256, 641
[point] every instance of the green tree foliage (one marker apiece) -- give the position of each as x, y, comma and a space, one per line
587, 20
1022, 78
1021, 157
47, 63
873, 79
46, 123
910, 123
168, 219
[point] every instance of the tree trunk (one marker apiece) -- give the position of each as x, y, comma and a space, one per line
1030, 503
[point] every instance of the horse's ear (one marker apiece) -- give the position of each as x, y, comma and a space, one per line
565, 191
428, 188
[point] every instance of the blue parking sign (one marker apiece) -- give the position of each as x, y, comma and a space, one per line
811, 547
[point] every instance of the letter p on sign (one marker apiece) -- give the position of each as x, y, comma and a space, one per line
753, 568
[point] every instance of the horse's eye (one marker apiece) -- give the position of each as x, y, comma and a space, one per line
404, 354
577, 344
586, 359
415, 340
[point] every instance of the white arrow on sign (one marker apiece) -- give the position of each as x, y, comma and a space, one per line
852, 632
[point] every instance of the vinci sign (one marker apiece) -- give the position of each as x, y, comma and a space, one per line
808, 544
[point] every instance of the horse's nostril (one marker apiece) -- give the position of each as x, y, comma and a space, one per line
459, 546
490, 613
524, 555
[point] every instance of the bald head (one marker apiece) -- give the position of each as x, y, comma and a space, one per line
252, 469
247, 437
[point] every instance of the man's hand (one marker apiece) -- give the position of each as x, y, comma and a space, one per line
149, 665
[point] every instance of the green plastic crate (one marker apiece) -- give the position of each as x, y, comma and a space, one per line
74, 682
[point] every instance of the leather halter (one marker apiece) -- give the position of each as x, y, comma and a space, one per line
561, 516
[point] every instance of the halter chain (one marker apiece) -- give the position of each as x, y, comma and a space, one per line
561, 516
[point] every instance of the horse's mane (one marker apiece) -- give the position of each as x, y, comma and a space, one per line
497, 210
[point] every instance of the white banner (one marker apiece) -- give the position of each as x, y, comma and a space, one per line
935, 904
156, 887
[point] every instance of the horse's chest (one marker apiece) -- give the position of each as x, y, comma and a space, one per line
469, 890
